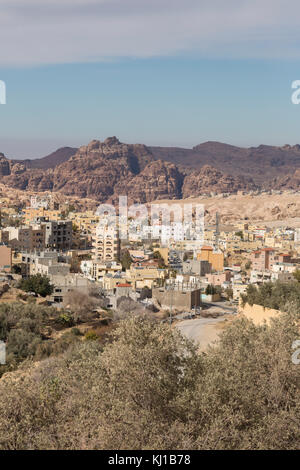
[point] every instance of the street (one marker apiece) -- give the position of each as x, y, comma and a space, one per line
203, 331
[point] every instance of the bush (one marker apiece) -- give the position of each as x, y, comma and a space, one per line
38, 284
210, 290
149, 388
66, 319
82, 305
91, 335
76, 332
21, 344
276, 295
24, 329
126, 260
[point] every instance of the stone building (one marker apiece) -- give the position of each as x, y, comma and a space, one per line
177, 299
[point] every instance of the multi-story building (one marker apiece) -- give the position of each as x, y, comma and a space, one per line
85, 221
218, 279
194, 266
284, 267
106, 243
18, 238
97, 270
58, 234
44, 263
5, 258
145, 274
31, 214
64, 284
238, 288
266, 258
215, 258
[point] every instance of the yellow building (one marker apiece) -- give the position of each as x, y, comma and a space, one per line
270, 242
145, 276
85, 221
32, 213
243, 245
216, 259
110, 283
242, 226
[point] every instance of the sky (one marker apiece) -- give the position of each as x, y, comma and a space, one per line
167, 72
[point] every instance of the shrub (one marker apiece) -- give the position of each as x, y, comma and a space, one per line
149, 388
66, 319
38, 284
91, 335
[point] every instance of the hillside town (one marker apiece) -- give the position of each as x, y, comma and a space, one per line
149, 229
158, 268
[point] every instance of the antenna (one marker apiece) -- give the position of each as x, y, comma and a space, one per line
217, 232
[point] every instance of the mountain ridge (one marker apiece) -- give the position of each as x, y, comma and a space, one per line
102, 170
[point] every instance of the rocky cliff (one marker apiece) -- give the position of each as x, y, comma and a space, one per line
209, 179
104, 170
158, 180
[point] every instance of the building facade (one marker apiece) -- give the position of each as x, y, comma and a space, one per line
106, 243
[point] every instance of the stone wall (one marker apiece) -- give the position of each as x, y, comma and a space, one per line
258, 313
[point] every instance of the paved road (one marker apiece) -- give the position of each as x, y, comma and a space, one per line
201, 330
222, 305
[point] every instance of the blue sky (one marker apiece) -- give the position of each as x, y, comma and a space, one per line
153, 72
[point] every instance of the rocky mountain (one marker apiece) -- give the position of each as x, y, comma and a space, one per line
262, 163
4, 166
104, 170
291, 181
209, 179
158, 180
52, 160
93, 171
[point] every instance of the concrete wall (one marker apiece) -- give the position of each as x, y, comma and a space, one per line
177, 299
211, 298
258, 313
199, 267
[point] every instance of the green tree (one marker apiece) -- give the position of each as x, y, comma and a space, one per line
126, 260
210, 290
38, 284
16, 269
275, 295
248, 265
157, 256
296, 275
229, 293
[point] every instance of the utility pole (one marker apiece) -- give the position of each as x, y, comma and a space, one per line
171, 290
217, 232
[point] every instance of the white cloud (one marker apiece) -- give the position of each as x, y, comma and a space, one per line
34, 32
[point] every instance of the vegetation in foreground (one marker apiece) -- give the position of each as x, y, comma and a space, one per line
35, 332
277, 295
148, 388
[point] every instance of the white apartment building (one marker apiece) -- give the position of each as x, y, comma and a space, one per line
106, 243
